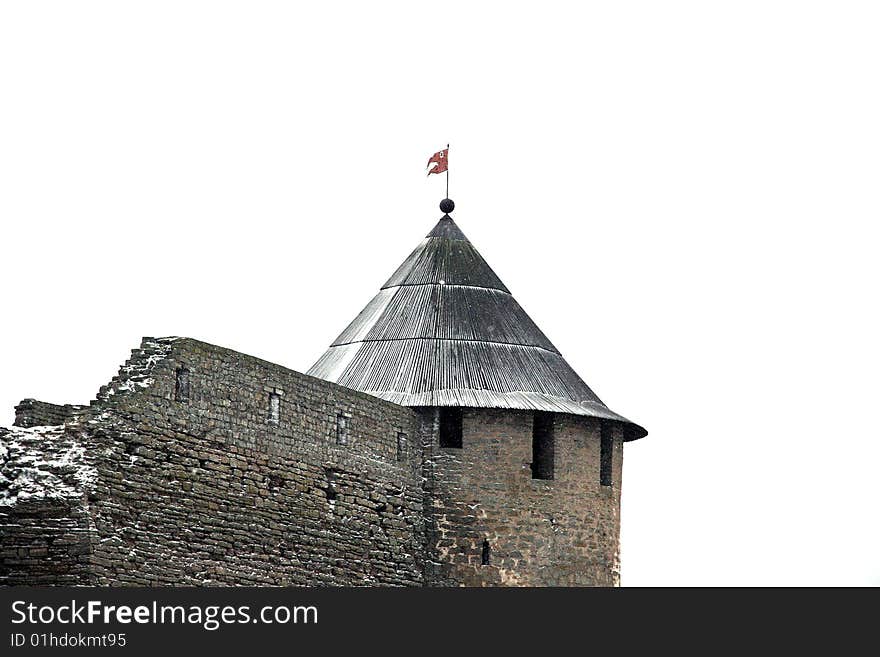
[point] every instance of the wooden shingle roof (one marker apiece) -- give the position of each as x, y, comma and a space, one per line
445, 331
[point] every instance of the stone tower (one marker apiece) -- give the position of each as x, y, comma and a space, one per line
522, 461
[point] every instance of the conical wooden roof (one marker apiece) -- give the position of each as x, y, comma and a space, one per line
445, 331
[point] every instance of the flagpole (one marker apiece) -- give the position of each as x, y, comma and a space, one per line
447, 170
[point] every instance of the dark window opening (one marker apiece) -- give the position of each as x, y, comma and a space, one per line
330, 489
181, 388
606, 452
450, 427
274, 408
484, 558
341, 429
401, 446
542, 446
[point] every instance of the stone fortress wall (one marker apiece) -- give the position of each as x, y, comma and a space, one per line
202, 486
563, 531
198, 465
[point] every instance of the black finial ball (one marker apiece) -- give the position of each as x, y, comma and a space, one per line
447, 206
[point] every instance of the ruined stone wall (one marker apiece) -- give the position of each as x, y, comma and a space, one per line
33, 413
559, 532
212, 483
198, 465
45, 529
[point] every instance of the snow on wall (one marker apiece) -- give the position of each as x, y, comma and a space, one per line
45, 530
42, 463
136, 373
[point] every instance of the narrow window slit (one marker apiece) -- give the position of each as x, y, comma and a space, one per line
401, 446
330, 489
606, 453
181, 387
450, 427
341, 429
274, 408
543, 447
484, 557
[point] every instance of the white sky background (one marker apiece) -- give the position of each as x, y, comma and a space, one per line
683, 195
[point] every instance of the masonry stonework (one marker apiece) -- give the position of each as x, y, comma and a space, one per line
33, 413
207, 491
558, 532
221, 486
46, 531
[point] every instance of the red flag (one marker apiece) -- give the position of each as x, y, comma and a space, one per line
440, 161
